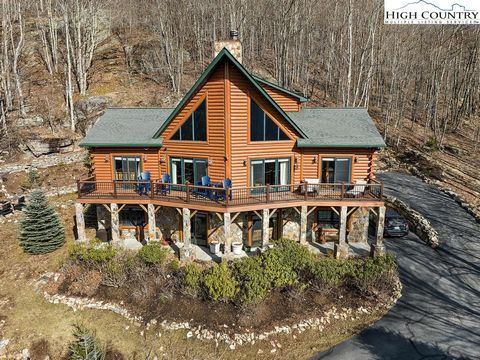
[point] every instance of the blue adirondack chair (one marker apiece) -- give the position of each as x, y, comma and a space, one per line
144, 183
164, 187
222, 194
203, 192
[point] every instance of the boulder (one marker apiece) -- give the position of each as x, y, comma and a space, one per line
40, 147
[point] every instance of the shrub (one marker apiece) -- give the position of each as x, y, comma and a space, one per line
192, 279
85, 346
40, 228
33, 180
96, 252
253, 283
294, 255
326, 273
153, 253
85, 283
278, 272
219, 283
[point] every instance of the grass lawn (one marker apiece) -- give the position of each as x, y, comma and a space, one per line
27, 319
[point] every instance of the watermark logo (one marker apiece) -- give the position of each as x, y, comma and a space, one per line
432, 12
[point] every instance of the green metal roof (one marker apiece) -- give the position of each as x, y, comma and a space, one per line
300, 98
337, 128
224, 53
126, 127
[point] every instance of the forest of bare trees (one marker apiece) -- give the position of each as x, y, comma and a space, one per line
338, 53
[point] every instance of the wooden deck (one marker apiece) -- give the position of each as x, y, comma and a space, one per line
229, 200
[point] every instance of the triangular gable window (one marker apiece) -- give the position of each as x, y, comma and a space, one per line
262, 127
195, 127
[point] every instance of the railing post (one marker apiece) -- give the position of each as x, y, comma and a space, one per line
342, 193
267, 197
305, 190
114, 189
152, 189
187, 189
227, 196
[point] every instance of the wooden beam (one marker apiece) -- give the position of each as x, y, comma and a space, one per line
235, 216
219, 216
311, 210
157, 208
143, 207
193, 214
352, 210
334, 210
272, 212
179, 211
298, 212
121, 207
260, 216
107, 207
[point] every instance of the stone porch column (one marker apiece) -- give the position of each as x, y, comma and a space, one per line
227, 222
186, 250
341, 249
265, 227
116, 240
303, 225
152, 226
378, 248
80, 222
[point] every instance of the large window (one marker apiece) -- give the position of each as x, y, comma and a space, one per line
127, 168
270, 171
336, 170
262, 128
195, 127
328, 219
132, 217
185, 169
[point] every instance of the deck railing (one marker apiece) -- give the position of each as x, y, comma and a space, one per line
187, 193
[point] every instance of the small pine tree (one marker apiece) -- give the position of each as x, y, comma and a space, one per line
85, 346
40, 228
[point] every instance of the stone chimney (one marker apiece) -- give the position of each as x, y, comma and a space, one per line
233, 45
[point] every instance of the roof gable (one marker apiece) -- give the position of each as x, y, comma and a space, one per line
224, 53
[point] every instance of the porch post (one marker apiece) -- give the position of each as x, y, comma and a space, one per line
152, 230
303, 225
115, 224
265, 227
227, 221
378, 249
80, 222
341, 249
186, 250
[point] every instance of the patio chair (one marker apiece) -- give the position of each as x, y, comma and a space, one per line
145, 182
221, 194
312, 185
358, 189
164, 187
203, 192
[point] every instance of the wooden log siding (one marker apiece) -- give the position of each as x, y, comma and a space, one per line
241, 147
214, 148
103, 170
286, 102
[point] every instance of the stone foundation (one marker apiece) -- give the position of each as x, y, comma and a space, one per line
168, 224
358, 226
291, 227
238, 229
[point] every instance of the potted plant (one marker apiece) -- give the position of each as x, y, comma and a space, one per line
214, 247
237, 248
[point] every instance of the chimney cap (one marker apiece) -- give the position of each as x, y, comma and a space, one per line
234, 34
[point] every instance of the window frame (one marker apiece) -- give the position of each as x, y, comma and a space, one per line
277, 161
191, 114
335, 157
182, 167
126, 156
280, 128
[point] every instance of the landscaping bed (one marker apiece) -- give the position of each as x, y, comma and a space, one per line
279, 287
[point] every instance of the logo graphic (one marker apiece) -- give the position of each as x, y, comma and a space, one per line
432, 12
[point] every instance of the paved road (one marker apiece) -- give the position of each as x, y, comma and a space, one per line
438, 315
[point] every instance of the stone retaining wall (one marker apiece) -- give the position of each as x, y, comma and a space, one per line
421, 226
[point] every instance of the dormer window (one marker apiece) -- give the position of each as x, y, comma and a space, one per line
195, 127
262, 127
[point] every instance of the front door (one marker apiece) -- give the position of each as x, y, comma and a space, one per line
200, 229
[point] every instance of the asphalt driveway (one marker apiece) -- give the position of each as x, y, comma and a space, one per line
438, 315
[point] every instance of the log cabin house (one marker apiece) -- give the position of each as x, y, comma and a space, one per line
238, 160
